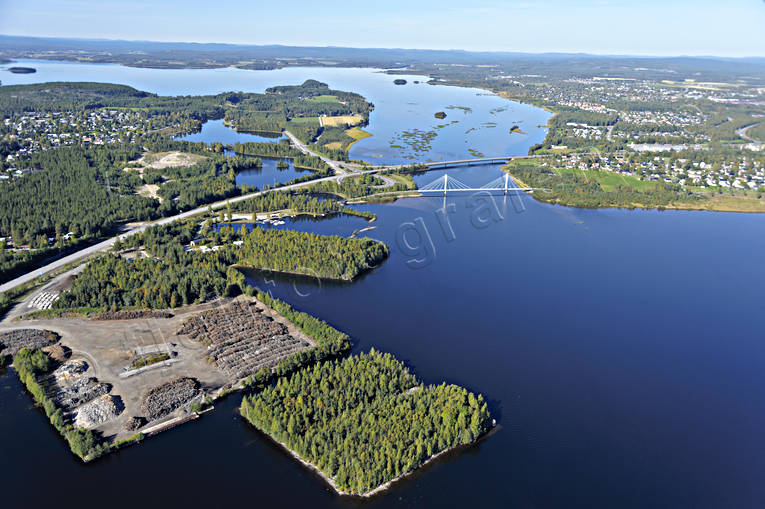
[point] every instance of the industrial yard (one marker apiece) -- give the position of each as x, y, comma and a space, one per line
124, 373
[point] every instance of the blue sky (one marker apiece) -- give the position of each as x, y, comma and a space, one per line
647, 27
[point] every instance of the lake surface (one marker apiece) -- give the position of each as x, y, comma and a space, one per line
267, 175
401, 123
621, 352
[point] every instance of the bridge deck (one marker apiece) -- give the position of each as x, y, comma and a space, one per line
469, 161
472, 189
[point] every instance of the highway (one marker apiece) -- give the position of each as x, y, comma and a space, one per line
743, 133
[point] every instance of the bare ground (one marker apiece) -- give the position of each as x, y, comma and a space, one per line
109, 347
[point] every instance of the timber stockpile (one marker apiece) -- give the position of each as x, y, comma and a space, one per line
164, 399
13, 341
241, 339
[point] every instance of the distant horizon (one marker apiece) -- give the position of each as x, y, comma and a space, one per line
595, 27
387, 48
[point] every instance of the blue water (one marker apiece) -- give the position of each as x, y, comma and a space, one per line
482, 127
621, 351
216, 130
624, 363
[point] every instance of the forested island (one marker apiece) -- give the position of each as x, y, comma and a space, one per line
22, 70
365, 420
328, 257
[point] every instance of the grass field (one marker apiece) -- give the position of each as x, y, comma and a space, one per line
744, 202
342, 120
609, 180
324, 99
305, 121
357, 134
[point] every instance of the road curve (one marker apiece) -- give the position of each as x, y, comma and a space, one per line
743, 133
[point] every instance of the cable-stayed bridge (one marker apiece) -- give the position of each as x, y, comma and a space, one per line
446, 184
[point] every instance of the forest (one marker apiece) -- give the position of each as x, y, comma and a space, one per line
297, 109
282, 149
321, 256
112, 282
365, 420
68, 191
82, 190
213, 179
174, 277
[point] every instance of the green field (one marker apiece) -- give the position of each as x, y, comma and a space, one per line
324, 99
311, 121
609, 180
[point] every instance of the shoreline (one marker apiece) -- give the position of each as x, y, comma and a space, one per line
313, 276
641, 206
179, 416
381, 488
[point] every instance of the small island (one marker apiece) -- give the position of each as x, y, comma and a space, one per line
365, 421
440, 115
516, 129
399, 81
22, 70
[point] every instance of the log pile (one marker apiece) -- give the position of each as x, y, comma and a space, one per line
135, 423
13, 341
164, 399
57, 352
241, 340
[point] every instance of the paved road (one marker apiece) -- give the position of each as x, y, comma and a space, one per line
106, 244
341, 172
742, 133
335, 165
